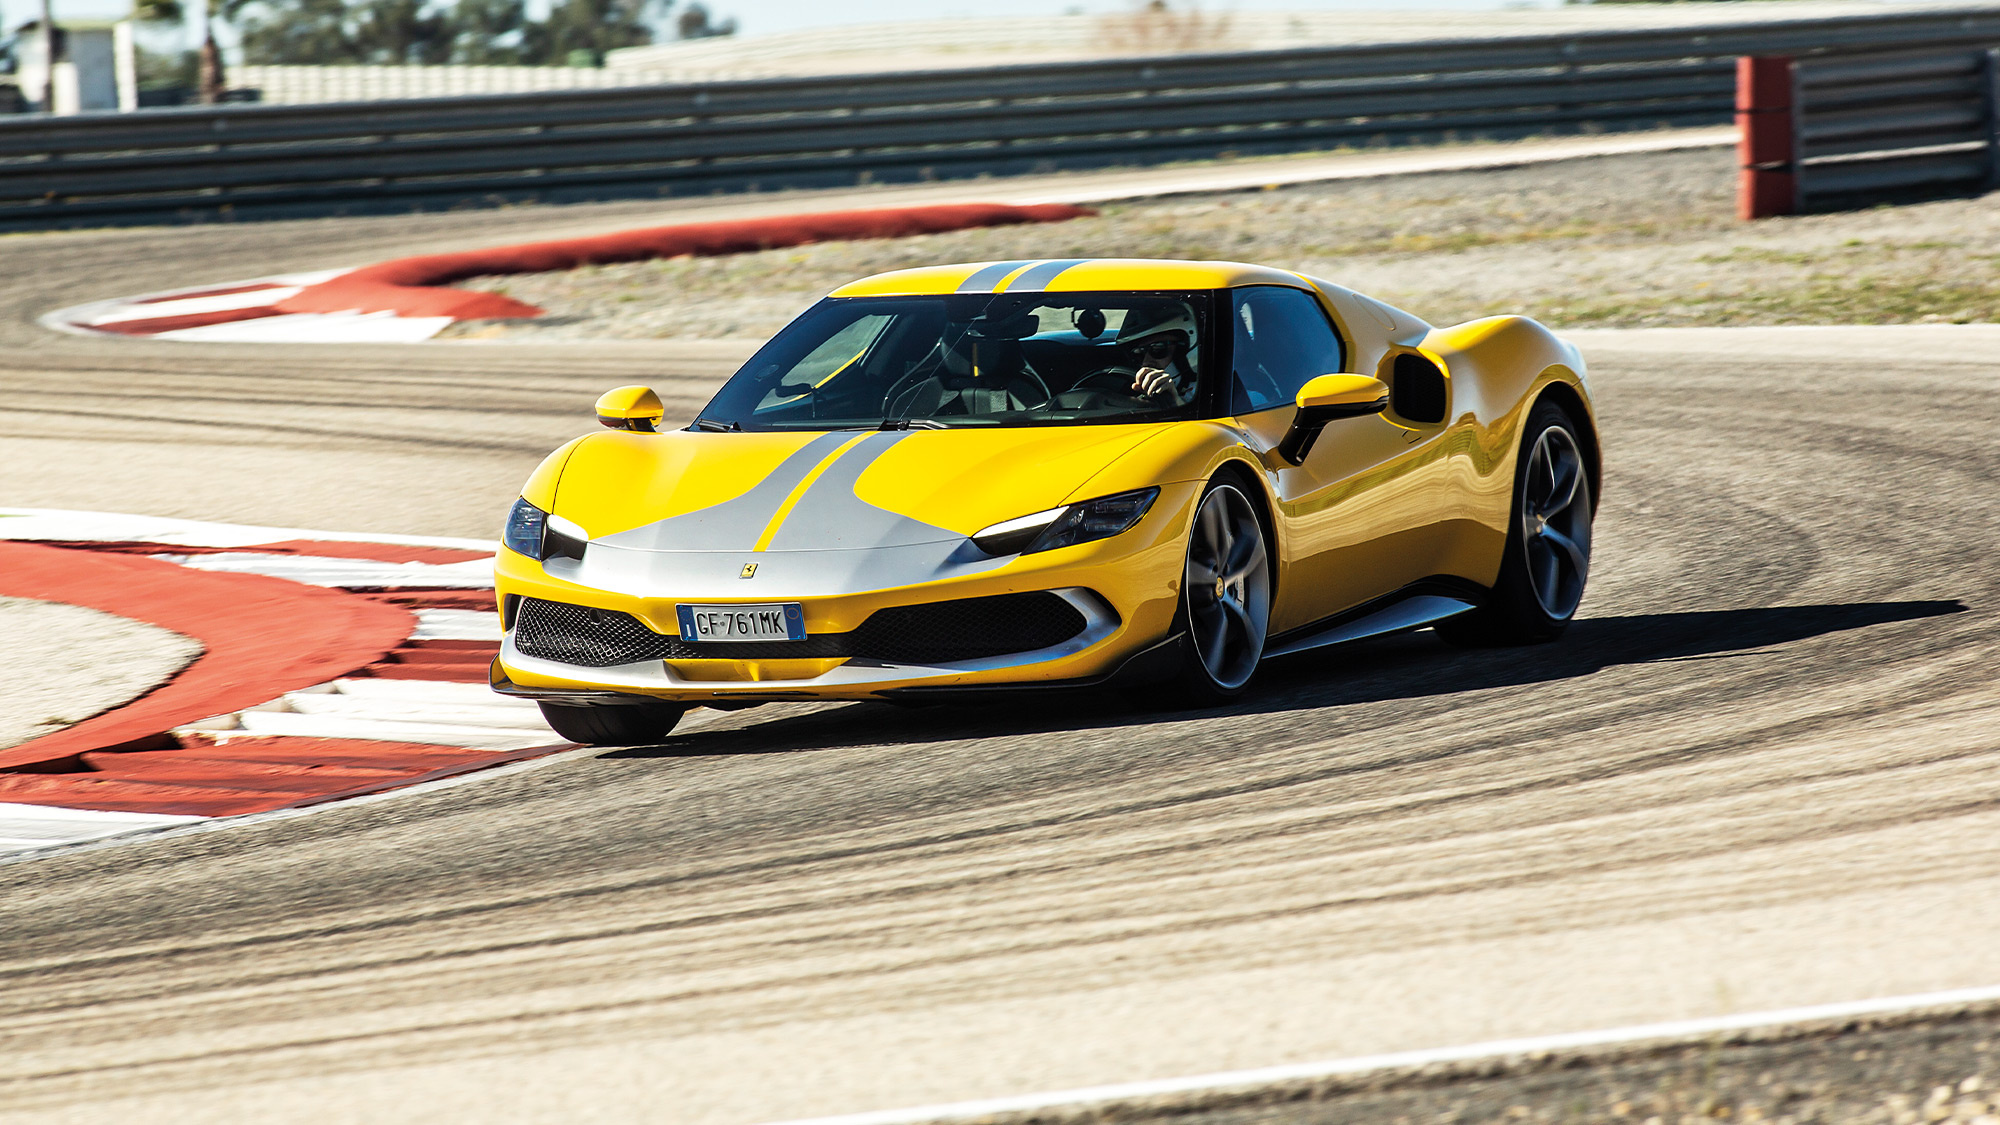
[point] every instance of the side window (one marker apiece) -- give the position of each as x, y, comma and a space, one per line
1282, 340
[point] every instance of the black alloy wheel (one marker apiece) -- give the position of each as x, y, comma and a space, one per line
1225, 598
1548, 542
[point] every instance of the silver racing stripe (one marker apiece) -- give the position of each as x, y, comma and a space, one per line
831, 517
716, 576
1043, 273
985, 278
831, 542
733, 525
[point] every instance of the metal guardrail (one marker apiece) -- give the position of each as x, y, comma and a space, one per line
1895, 122
564, 145
1823, 132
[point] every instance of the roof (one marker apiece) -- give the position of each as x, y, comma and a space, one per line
1068, 275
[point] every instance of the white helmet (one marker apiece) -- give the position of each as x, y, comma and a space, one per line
1151, 320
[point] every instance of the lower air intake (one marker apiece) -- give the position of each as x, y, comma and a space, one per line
592, 638
933, 633
967, 629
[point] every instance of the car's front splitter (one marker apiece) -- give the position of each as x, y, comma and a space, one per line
840, 678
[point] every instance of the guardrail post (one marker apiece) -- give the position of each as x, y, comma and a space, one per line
1767, 141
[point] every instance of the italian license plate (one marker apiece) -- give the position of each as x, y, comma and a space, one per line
776, 621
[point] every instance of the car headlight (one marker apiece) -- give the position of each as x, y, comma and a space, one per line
1067, 526
525, 526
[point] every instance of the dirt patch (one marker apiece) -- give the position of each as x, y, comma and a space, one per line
1617, 241
64, 663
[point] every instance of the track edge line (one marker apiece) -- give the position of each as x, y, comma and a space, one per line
1100, 1100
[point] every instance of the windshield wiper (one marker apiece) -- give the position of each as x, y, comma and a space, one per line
911, 424
715, 427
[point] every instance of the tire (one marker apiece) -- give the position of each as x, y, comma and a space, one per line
1548, 542
617, 724
1225, 608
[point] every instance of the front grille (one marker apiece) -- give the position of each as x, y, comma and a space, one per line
592, 638
934, 633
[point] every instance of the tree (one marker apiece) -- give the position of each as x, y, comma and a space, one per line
483, 32
578, 28
402, 31
298, 31
694, 23
487, 32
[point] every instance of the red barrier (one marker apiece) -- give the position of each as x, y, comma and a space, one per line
1767, 140
415, 286
262, 637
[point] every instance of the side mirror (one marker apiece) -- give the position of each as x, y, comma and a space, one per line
631, 408
1326, 398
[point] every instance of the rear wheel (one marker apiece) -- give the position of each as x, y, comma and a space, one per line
617, 724
1225, 599
1548, 542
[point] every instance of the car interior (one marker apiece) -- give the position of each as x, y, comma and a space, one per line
978, 360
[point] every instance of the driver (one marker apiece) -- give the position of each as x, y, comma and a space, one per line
1160, 339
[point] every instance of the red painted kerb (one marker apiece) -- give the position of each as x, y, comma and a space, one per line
261, 637
415, 287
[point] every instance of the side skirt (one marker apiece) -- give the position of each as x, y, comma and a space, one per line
1413, 607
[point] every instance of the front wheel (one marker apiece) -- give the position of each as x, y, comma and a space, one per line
1548, 542
616, 724
1225, 600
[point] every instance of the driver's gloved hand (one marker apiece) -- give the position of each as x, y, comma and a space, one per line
1157, 385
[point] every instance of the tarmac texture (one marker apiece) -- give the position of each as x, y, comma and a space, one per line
1759, 772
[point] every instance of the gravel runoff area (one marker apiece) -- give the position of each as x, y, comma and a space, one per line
64, 663
1617, 241
1915, 1069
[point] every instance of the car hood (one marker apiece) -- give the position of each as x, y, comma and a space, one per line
824, 491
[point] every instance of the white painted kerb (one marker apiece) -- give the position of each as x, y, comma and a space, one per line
1498, 1048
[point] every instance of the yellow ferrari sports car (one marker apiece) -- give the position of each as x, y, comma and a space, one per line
1040, 474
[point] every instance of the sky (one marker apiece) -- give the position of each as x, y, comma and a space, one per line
755, 17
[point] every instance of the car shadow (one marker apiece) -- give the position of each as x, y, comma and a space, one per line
1407, 666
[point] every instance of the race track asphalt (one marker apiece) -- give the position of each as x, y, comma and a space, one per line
1761, 771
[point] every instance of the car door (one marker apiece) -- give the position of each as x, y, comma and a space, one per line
1352, 531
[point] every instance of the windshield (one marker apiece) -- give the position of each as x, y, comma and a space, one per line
1030, 359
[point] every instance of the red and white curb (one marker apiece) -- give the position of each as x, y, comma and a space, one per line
241, 312
409, 299
420, 713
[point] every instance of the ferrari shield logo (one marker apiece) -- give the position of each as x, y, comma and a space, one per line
749, 571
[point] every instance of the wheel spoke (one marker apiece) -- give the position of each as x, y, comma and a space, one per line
1538, 480
1562, 493
1211, 537
1547, 570
1239, 616
1250, 566
1214, 533
1565, 491
1246, 557
1217, 629
1578, 561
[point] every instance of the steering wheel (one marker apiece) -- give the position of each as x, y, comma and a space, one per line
903, 385
1047, 394
1119, 377
908, 381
